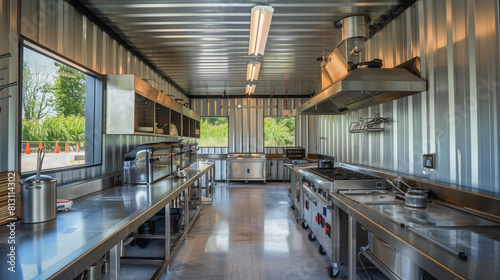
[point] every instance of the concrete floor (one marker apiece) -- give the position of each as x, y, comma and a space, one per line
249, 232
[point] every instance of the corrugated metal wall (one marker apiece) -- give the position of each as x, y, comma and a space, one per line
457, 118
246, 125
8, 107
246, 128
57, 26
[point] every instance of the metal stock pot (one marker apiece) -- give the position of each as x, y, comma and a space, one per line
39, 199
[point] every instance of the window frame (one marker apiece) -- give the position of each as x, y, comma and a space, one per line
264, 131
228, 126
94, 111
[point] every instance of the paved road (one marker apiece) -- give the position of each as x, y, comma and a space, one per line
52, 160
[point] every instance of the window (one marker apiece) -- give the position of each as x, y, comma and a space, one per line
279, 131
214, 132
61, 111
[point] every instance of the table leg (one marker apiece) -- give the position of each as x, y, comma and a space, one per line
167, 231
115, 262
186, 209
352, 248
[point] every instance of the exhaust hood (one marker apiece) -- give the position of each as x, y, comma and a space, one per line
342, 91
363, 87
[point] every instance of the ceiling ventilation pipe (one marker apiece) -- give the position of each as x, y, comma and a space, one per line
355, 32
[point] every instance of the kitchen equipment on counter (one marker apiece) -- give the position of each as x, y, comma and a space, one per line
295, 153
180, 173
148, 163
39, 195
414, 197
326, 163
246, 167
64, 205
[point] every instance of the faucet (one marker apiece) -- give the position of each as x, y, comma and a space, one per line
400, 180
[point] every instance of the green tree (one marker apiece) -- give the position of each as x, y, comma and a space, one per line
69, 91
214, 132
37, 99
279, 131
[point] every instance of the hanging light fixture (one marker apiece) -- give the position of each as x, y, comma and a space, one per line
250, 89
259, 29
253, 68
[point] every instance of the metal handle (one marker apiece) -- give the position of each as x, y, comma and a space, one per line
387, 245
35, 187
460, 254
5, 55
8, 85
5, 97
401, 180
40, 157
394, 185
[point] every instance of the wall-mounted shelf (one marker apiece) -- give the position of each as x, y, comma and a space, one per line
135, 107
368, 124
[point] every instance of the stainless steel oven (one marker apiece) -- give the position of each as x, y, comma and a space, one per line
328, 224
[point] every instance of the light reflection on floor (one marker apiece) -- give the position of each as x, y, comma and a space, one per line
248, 233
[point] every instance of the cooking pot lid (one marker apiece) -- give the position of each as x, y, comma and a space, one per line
43, 178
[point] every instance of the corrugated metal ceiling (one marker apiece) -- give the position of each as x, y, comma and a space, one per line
202, 46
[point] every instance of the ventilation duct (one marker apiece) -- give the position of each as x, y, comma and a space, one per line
341, 90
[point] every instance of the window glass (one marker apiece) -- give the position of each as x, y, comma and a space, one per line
279, 131
214, 132
60, 108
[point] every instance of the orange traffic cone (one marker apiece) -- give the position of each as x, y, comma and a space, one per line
40, 145
27, 149
57, 147
77, 147
66, 149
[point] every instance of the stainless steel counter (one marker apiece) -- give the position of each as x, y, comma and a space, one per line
446, 242
64, 247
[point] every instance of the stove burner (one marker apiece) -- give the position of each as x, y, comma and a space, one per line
340, 174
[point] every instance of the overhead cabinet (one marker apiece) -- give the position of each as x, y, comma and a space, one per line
190, 123
135, 107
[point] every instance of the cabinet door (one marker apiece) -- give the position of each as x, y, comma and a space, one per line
255, 170
236, 170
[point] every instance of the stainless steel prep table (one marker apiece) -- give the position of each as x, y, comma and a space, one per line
64, 247
400, 231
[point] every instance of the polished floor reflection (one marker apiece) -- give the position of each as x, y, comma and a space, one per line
248, 233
